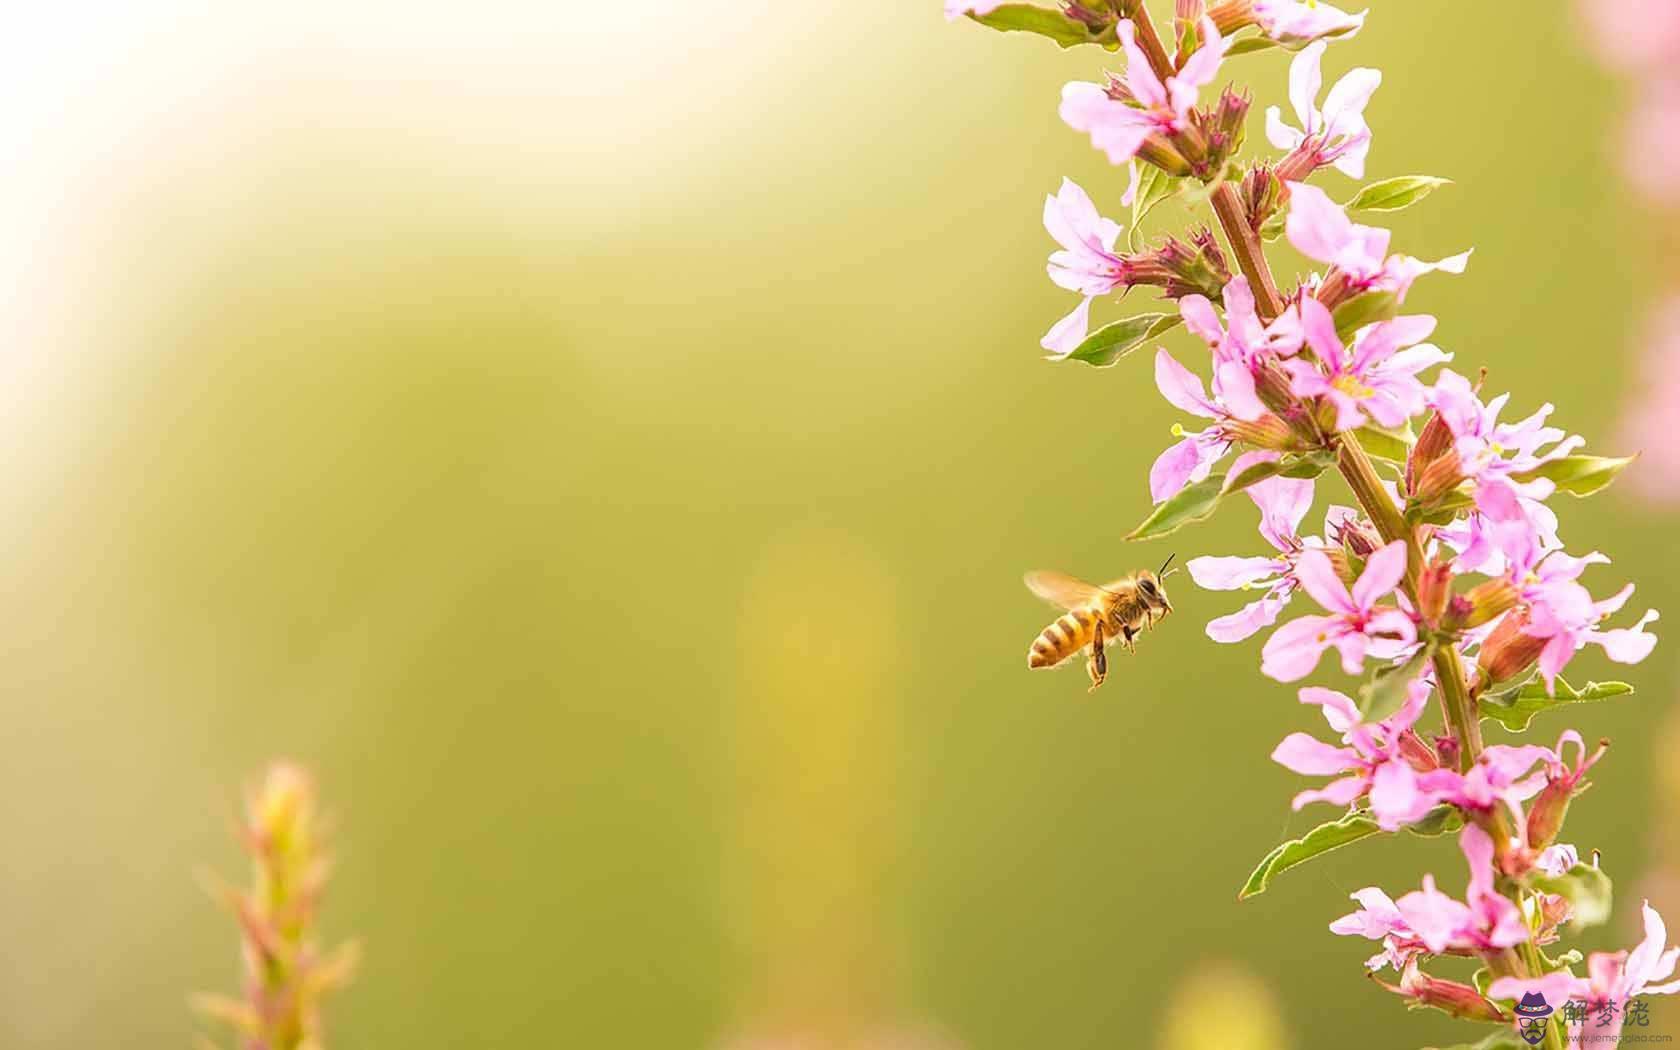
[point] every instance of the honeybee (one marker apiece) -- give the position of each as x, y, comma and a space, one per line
1096, 617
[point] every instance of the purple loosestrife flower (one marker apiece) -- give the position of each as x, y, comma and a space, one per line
1321, 230
1376, 379
1356, 625
1502, 774
1295, 22
1283, 502
1087, 263
1234, 402
1147, 106
1612, 979
1569, 623
1247, 340
1381, 760
955, 9
1427, 920
1337, 135
1490, 454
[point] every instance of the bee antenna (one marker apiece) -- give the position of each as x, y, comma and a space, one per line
1162, 573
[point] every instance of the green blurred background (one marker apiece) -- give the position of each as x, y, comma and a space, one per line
604, 444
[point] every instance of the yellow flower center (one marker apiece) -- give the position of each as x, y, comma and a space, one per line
1352, 387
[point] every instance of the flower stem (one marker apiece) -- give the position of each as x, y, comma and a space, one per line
1361, 475
1245, 244
1150, 42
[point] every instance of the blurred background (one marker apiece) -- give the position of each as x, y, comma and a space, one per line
604, 441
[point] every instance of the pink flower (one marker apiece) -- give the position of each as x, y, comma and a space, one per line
1283, 502
1501, 775
1613, 979
1376, 379
1378, 758
1119, 126
1336, 135
955, 9
1247, 340
1294, 22
1651, 140
1428, 920
1568, 621
1648, 425
1490, 454
1637, 35
1558, 860
1086, 264
1233, 401
1321, 230
1355, 625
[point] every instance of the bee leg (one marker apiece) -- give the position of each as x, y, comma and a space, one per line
1127, 633
1097, 665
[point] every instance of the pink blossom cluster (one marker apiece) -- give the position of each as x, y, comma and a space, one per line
1445, 579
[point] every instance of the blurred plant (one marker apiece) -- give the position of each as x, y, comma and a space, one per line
1446, 580
1640, 39
286, 975
1222, 1007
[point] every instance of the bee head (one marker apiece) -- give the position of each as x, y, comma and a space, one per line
1151, 585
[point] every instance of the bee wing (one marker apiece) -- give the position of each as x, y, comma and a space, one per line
1124, 585
1061, 590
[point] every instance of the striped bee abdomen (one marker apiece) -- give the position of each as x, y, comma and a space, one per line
1071, 632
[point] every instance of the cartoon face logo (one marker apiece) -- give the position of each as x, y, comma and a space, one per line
1533, 1012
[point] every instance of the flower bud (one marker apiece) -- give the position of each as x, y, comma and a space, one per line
1267, 432
1358, 536
1548, 810
1481, 604
1334, 289
1459, 1000
1272, 387
1419, 755
1434, 588
1509, 650
1433, 442
1441, 477
1163, 154
1232, 15
1097, 17
1180, 269
1262, 194
1447, 751
1224, 127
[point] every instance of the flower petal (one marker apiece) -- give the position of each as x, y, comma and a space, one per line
1317, 576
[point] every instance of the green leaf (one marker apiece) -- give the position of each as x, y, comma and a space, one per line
1385, 691
1390, 445
1154, 186
1197, 501
1315, 843
1482, 980
1111, 342
1579, 475
1515, 708
1272, 228
1250, 44
1403, 191
1362, 310
1503, 1039
1586, 888
1026, 18
1442, 820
